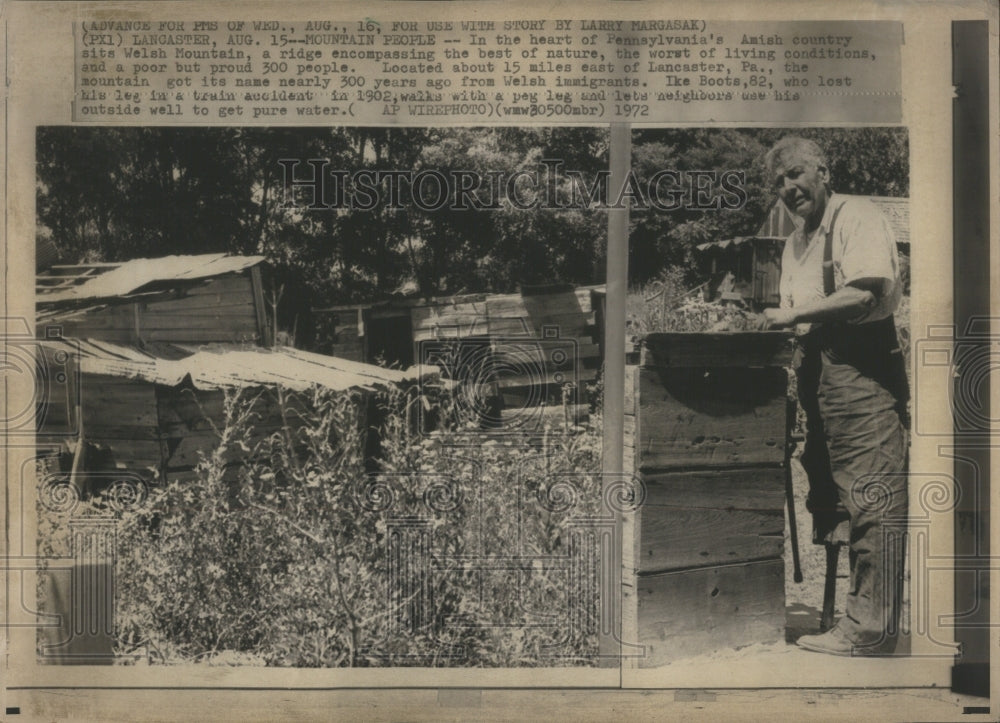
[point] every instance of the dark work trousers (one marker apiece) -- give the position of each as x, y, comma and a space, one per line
852, 386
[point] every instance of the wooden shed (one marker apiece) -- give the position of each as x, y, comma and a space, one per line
530, 344
154, 415
136, 360
754, 262
174, 299
149, 348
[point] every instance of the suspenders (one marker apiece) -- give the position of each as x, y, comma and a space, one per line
872, 347
829, 286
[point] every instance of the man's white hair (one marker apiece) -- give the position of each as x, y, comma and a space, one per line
804, 148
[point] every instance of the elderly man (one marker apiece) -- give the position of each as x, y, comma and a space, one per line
840, 285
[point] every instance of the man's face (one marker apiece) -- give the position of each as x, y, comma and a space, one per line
801, 184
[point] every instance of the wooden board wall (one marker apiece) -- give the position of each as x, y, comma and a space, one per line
445, 320
697, 417
160, 431
347, 335
118, 415
560, 340
191, 419
220, 309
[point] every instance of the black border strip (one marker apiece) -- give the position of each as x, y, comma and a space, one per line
971, 219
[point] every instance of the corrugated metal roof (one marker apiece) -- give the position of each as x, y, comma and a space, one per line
132, 275
226, 367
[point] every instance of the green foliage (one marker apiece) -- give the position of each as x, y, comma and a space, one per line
118, 193
297, 557
863, 161
667, 303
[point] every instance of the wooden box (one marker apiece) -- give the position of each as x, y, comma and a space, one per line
710, 517
688, 613
711, 417
706, 425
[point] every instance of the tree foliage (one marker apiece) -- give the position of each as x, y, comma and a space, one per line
118, 193
863, 161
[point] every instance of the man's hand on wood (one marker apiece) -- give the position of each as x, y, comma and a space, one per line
775, 319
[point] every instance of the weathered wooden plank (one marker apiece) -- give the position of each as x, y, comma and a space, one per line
230, 286
111, 318
712, 517
630, 627
94, 394
117, 384
544, 377
571, 414
84, 330
628, 425
711, 418
193, 407
511, 326
750, 488
201, 302
726, 349
108, 403
238, 311
567, 325
122, 413
107, 429
181, 336
567, 302
224, 326
447, 314
454, 331
694, 612
631, 388
265, 331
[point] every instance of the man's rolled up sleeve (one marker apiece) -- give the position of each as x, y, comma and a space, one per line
868, 245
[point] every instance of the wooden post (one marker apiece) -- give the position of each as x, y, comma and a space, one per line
263, 331
612, 450
137, 324
829, 588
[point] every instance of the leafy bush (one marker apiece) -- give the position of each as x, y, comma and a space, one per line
669, 304
449, 553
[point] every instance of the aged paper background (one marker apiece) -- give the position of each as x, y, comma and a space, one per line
39, 62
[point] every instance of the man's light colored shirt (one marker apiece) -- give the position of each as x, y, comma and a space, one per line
864, 246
